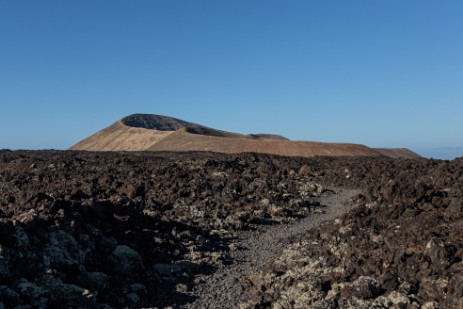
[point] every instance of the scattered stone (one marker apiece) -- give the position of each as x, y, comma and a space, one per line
125, 261
85, 229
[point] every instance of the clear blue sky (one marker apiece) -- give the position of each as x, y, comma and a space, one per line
382, 73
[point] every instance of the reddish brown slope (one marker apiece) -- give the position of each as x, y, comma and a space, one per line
182, 141
142, 132
398, 153
119, 137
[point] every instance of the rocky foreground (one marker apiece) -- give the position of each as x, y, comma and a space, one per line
114, 230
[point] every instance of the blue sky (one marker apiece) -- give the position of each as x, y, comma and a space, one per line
380, 73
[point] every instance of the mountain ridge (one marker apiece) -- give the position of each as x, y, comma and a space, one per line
150, 132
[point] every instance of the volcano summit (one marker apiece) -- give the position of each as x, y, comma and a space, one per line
147, 132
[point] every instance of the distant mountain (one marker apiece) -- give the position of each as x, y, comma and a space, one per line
397, 153
146, 132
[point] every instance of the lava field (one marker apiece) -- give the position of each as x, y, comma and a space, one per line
138, 230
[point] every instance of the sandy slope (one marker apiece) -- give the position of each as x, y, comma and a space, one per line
142, 132
182, 140
119, 137
397, 153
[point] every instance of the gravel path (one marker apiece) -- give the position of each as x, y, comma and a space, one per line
229, 286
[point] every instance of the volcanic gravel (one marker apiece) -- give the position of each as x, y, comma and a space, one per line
115, 230
232, 284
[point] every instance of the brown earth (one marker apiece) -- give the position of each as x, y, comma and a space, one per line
181, 140
397, 153
114, 230
141, 132
119, 137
